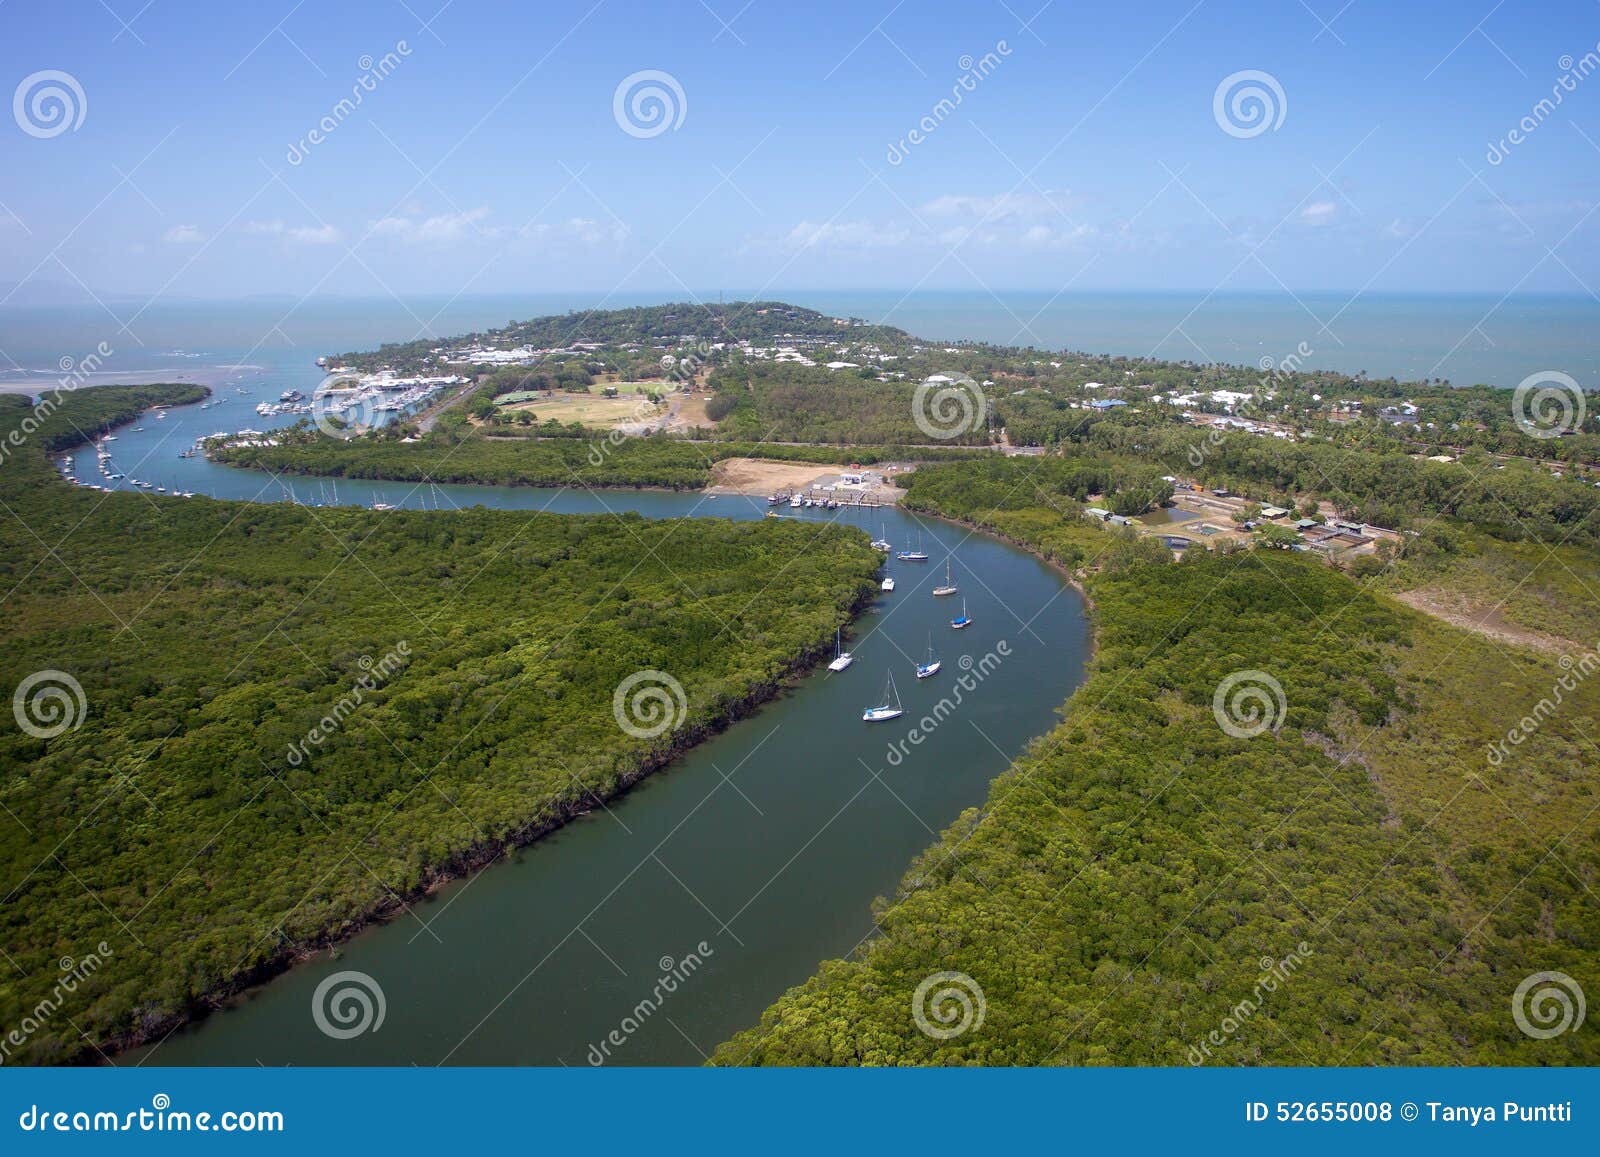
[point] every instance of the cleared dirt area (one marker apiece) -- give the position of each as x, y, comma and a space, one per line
755, 476
590, 409
1484, 619
691, 411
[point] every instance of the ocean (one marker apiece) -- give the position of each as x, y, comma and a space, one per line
1465, 339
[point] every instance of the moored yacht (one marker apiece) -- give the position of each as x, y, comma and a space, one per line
841, 657
890, 707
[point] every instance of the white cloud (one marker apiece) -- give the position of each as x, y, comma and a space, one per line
585, 230
444, 228
848, 234
1319, 213
1000, 206
298, 234
309, 235
183, 235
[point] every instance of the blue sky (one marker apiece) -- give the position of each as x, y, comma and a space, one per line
489, 159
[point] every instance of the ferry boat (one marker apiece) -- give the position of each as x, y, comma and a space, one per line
929, 667
841, 657
961, 622
890, 707
949, 587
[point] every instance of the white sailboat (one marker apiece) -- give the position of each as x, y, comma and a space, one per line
949, 587
882, 541
890, 707
841, 657
930, 666
918, 555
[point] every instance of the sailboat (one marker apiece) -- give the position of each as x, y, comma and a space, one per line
918, 555
841, 657
962, 622
929, 667
890, 707
949, 587
882, 541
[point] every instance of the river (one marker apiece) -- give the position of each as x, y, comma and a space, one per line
734, 872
